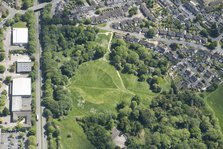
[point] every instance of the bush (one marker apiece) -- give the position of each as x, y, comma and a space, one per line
151, 33
212, 45
12, 68
5, 112
212, 87
31, 140
133, 11
2, 69
8, 79
69, 135
2, 56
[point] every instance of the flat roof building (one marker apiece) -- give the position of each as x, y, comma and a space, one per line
19, 36
23, 66
21, 87
21, 99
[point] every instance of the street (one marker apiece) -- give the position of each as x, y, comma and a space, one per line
165, 40
41, 140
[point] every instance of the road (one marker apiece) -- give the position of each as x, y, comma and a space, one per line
41, 139
155, 39
38, 88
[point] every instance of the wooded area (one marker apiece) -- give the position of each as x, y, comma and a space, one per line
171, 121
140, 61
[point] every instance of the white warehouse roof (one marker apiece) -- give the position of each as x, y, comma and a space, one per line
21, 87
20, 35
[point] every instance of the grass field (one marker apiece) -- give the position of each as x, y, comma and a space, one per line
20, 25
215, 101
98, 83
97, 87
102, 39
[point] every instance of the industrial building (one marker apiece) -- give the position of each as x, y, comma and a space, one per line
21, 98
23, 66
20, 36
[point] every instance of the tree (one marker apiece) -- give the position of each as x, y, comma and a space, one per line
87, 21
212, 45
198, 18
2, 69
5, 112
133, 11
8, 79
174, 87
100, 51
32, 140
56, 133
47, 113
204, 33
150, 3
98, 136
214, 32
27, 4
2, 56
69, 68
212, 87
174, 46
5, 14
50, 129
151, 33
98, 11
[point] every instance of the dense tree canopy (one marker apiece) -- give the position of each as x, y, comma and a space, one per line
171, 121
27, 3
138, 60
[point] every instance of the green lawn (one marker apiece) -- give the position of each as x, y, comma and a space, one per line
102, 39
215, 101
102, 25
78, 139
97, 87
20, 25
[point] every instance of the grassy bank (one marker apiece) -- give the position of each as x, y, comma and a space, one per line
215, 101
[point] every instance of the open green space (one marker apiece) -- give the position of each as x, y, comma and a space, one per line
20, 24
97, 87
102, 39
68, 126
215, 101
